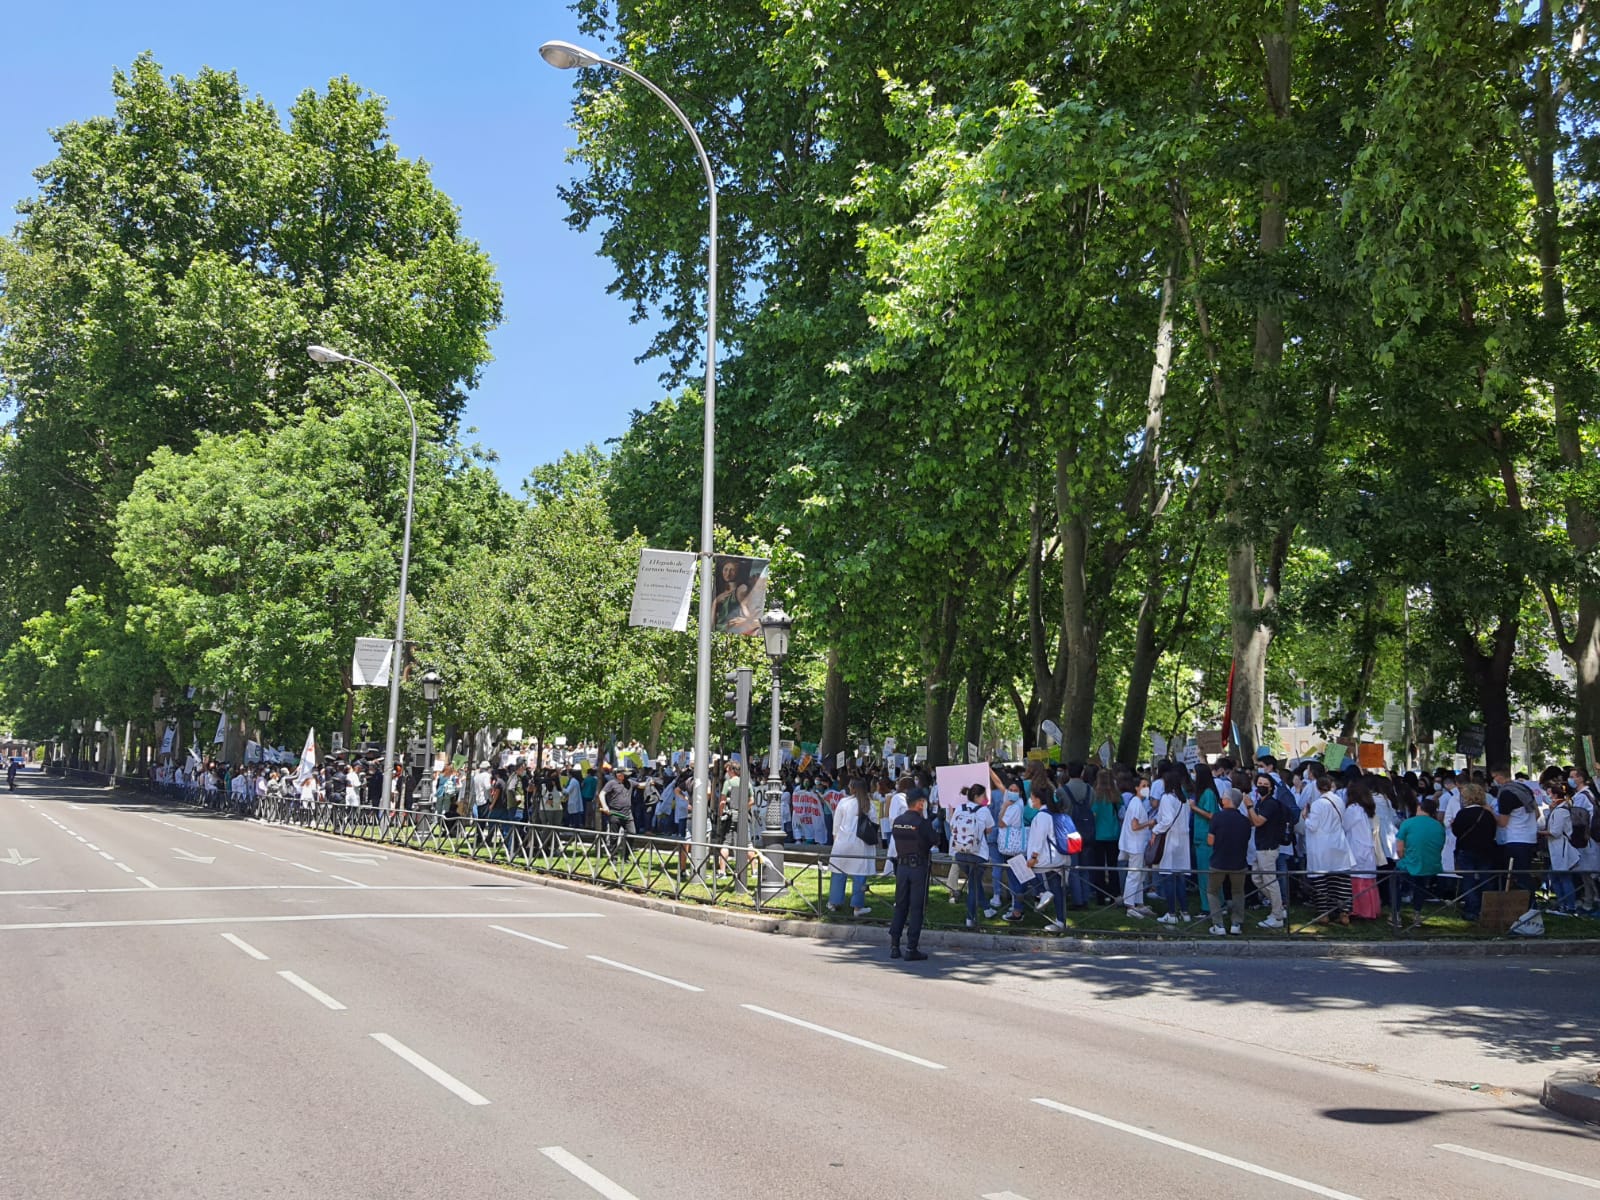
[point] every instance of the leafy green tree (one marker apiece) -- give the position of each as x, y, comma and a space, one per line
166, 278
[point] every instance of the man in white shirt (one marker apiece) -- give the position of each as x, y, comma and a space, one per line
1137, 822
1518, 815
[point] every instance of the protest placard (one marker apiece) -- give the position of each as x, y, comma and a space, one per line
954, 780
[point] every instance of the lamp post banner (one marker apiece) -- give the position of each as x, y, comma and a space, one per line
739, 593
662, 589
370, 665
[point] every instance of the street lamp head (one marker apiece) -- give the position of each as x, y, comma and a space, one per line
775, 626
432, 686
265, 713
564, 56
324, 355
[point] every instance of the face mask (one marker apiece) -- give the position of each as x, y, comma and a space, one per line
1144, 793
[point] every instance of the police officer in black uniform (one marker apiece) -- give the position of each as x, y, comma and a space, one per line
913, 848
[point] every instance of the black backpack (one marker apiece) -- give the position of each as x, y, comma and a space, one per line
1080, 804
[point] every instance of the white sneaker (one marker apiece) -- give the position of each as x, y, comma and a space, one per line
833, 908
1167, 919
1236, 930
1043, 902
862, 912
1273, 923
1218, 931
991, 913
1055, 927
971, 924
1138, 914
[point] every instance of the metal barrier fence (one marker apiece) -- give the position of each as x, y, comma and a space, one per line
731, 875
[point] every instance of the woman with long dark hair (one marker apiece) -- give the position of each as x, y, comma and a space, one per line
1360, 832
1172, 819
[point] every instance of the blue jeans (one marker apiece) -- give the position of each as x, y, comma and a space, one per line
858, 890
1476, 878
1175, 891
997, 865
1518, 859
972, 869
1078, 881
1565, 885
1058, 889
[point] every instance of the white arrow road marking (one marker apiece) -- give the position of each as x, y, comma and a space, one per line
357, 856
16, 859
198, 858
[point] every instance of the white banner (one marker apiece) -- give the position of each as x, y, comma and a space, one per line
222, 729
168, 739
1158, 747
370, 665
1051, 730
662, 589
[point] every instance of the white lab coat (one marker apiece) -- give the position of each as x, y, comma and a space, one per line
897, 805
1042, 844
851, 856
1359, 832
1558, 824
1327, 849
1589, 856
1133, 841
1449, 806
1173, 820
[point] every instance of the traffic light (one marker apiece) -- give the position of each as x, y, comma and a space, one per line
741, 679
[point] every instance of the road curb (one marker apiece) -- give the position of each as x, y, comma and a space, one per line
876, 934
1573, 1093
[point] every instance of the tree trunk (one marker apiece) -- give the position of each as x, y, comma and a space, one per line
1049, 680
1141, 671
1250, 640
1582, 648
938, 689
1080, 633
937, 700
835, 709
658, 718
977, 699
1251, 636
1367, 643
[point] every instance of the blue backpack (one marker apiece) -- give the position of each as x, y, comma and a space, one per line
1065, 835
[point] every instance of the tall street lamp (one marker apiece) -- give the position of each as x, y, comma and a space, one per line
432, 688
263, 717
324, 355
565, 56
775, 627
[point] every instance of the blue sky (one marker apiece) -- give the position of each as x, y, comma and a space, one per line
467, 91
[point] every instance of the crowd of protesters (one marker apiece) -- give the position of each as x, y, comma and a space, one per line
1168, 844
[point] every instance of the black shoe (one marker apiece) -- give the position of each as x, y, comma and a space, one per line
894, 951
915, 956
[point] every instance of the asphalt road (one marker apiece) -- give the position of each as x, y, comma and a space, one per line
210, 1008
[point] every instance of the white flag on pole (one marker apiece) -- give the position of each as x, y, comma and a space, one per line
222, 729
308, 757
